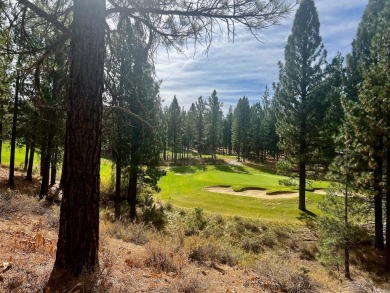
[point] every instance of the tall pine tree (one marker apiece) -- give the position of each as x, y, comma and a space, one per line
299, 100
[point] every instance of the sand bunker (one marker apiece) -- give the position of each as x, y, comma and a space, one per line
251, 192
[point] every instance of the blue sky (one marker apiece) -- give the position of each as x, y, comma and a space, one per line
246, 66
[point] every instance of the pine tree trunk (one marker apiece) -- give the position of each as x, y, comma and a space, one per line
78, 239
118, 197
26, 157
45, 166
31, 160
53, 172
132, 192
302, 185
11, 178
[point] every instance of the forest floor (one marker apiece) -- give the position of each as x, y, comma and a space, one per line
136, 258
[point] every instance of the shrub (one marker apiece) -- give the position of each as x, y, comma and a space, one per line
285, 275
203, 250
129, 232
190, 283
151, 213
251, 244
196, 223
284, 167
160, 258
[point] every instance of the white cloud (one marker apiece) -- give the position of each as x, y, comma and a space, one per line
246, 66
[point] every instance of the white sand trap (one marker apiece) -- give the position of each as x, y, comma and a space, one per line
320, 191
251, 192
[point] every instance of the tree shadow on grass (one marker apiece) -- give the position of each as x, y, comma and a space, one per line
261, 168
231, 169
187, 169
309, 218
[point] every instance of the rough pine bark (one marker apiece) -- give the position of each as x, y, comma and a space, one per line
302, 185
78, 240
53, 172
45, 166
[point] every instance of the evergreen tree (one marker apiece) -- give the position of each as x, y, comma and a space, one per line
333, 91
300, 103
136, 106
200, 125
214, 123
341, 225
360, 56
241, 128
227, 131
271, 139
174, 128
370, 120
256, 135
358, 62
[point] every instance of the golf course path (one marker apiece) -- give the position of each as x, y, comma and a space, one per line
251, 192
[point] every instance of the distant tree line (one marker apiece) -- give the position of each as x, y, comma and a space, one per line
247, 131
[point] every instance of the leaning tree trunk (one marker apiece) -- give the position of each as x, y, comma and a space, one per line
11, 178
78, 239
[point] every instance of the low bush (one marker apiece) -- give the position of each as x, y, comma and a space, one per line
203, 250
285, 275
161, 258
136, 233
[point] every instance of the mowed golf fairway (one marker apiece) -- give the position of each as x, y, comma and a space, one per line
185, 187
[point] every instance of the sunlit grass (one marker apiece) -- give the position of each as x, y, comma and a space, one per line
185, 187
19, 155
105, 165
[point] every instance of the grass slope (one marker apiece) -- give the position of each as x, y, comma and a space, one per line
105, 165
19, 156
184, 187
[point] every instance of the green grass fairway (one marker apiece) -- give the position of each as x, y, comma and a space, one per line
105, 165
19, 156
184, 187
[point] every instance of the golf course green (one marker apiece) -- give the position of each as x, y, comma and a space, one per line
187, 187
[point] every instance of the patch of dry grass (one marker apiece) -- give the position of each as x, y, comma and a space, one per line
285, 275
